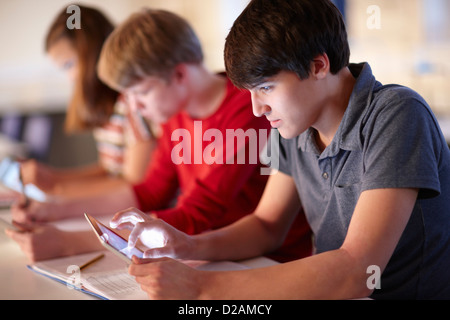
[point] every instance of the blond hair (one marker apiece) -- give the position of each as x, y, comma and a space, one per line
149, 43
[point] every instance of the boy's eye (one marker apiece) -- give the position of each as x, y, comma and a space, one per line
144, 91
266, 88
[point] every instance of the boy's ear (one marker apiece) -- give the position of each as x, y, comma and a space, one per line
180, 72
320, 66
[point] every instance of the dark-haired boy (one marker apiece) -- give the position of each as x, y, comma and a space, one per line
367, 162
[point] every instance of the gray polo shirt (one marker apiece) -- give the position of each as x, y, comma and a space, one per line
388, 138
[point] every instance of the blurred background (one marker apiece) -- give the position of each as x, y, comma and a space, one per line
405, 41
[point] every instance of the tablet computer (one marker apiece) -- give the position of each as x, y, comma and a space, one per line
112, 241
10, 178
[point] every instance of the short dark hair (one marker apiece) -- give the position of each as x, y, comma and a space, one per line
275, 35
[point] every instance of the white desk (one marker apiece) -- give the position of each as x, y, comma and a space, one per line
19, 283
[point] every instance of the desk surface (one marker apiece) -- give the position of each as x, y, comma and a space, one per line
19, 283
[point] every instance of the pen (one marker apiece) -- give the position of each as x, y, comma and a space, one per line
27, 201
87, 264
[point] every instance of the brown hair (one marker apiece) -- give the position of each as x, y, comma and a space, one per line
92, 102
149, 43
284, 35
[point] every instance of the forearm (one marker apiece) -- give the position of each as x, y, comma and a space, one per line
99, 204
227, 243
90, 187
377, 224
84, 172
331, 275
80, 242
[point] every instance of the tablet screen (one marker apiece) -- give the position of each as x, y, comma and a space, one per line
116, 241
10, 177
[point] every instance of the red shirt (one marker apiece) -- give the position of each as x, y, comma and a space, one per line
211, 195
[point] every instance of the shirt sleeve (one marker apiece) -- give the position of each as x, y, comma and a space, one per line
160, 183
403, 146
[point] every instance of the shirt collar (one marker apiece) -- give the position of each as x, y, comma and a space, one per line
347, 136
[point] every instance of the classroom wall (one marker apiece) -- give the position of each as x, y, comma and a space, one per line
406, 42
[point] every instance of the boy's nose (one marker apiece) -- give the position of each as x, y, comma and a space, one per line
259, 107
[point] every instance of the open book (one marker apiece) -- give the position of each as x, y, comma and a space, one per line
108, 278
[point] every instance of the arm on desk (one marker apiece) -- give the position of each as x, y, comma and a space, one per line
47, 242
52, 179
103, 203
377, 224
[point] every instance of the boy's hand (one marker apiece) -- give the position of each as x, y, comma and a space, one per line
160, 238
37, 241
165, 278
30, 211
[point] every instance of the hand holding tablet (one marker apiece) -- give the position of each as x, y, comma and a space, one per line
112, 241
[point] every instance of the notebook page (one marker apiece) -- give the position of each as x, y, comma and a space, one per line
68, 270
119, 285
115, 285
60, 266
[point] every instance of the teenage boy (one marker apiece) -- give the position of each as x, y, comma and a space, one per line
367, 162
156, 61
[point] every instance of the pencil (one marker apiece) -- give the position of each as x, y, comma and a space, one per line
87, 264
